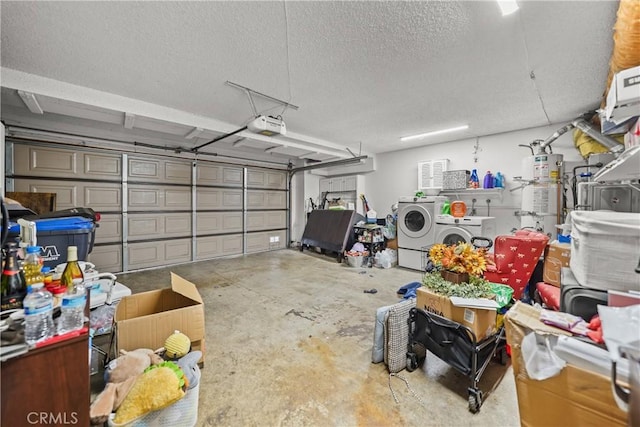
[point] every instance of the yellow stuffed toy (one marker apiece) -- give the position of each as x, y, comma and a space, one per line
158, 387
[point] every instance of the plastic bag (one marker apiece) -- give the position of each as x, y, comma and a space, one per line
540, 360
385, 259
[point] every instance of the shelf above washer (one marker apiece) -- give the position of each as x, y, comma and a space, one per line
474, 192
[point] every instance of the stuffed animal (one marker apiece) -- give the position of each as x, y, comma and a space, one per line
176, 345
158, 387
120, 376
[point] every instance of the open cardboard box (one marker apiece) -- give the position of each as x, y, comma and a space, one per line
575, 397
146, 319
481, 321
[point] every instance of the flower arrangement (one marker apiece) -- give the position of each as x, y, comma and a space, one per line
460, 258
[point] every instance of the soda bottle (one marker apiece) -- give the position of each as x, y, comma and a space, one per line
72, 270
72, 308
38, 314
32, 266
13, 288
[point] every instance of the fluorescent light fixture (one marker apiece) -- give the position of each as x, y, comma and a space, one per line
435, 132
129, 120
31, 102
507, 6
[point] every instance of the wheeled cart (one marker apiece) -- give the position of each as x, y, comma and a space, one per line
456, 345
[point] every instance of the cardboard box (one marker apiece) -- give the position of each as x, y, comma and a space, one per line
481, 321
146, 319
575, 397
556, 256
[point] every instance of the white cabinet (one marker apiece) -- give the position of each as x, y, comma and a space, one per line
325, 185
349, 183
339, 184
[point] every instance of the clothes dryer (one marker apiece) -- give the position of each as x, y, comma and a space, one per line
450, 230
416, 228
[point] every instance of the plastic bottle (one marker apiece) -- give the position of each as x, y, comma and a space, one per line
13, 287
38, 314
72, 270
32, 266
446, 208
72, 308
488, 180
474, 182
498, 180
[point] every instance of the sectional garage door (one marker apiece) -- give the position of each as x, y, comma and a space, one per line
158, 210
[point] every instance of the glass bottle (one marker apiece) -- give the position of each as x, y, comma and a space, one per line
13, 286
72, 270
32, 266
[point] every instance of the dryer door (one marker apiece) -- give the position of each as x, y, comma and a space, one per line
415, 220
453, 235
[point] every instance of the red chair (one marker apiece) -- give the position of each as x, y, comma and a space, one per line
515, 257
549, 295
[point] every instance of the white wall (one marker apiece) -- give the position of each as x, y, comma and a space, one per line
396, 172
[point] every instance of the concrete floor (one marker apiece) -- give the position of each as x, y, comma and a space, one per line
289, 337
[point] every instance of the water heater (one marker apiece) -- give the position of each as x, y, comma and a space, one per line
541, 199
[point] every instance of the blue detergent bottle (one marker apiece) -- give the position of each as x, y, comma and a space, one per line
498, 180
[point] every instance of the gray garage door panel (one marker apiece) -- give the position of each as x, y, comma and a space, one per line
97, 196
63, 163
148, 169
107, 259
163, 197
263, 178
265, 241
218, 198
208, 174
265, 199
216, 246
218, 222
158, 225
154, 254
109, 229
266, 220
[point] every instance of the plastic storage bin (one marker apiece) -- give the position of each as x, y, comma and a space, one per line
56, 234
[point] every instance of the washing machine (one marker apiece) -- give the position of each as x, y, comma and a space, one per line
416, 228
450, 230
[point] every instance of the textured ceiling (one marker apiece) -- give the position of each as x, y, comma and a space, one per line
363, 74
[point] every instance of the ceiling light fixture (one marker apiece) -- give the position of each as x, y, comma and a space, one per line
31, 102
507, 6
435, 132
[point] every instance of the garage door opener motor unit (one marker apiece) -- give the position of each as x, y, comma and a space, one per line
267, 125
